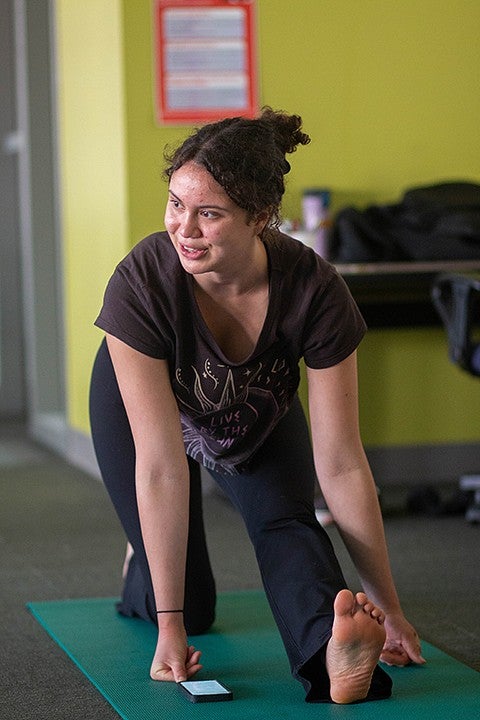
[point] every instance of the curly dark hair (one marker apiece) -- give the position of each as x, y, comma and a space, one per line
246, 157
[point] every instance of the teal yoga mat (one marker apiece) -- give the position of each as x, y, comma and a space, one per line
245, 652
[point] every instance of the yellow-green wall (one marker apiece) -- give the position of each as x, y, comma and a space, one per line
389, 92
92, 175
410, 394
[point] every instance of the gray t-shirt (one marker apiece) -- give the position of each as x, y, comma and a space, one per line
228, 409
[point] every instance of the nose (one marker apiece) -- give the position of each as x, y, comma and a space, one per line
188, 226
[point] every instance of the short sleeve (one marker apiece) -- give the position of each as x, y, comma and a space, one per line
128, 313
334, 325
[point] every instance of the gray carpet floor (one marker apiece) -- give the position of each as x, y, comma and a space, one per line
59, 538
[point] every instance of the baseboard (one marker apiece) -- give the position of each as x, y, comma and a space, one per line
50, 430
74, 446
81, 453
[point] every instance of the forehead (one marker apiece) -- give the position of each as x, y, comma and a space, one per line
193, 184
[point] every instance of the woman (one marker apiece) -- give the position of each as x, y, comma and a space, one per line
205, 326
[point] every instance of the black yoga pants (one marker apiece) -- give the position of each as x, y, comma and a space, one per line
299, 569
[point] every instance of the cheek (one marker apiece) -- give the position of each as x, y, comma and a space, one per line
169, 220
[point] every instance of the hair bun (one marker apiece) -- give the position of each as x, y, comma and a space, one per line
286, 128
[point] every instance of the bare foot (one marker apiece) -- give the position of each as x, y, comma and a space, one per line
126, 562
353, 651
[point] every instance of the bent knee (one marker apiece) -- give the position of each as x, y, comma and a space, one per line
199, 625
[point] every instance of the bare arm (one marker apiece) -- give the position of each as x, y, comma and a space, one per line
162, 486
349, 490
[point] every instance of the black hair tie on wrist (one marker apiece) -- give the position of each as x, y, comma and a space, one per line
159, 612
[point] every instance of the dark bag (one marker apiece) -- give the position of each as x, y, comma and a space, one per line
438, 222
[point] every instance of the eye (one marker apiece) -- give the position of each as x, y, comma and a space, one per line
209, 214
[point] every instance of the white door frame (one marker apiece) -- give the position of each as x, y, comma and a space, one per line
12, 371
39, 222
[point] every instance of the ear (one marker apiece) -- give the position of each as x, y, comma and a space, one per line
261, 220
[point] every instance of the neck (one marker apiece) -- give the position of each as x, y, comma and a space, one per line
248, 278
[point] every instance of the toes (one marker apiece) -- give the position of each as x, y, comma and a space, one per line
361, 599
378, 614
348, 604
380, 618
370, 608
344, 603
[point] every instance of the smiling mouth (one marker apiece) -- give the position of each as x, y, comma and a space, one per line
191, 252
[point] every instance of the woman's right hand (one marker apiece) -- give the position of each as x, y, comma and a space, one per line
174, 659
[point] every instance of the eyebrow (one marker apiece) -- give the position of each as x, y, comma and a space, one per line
200, 207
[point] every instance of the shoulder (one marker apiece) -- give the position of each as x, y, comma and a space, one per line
142, 296
150, 277
298, 263
149, 259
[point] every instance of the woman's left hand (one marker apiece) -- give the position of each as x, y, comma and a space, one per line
402, 644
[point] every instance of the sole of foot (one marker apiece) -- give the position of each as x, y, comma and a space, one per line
358, 636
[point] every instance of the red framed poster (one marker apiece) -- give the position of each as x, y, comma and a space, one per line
205, 58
